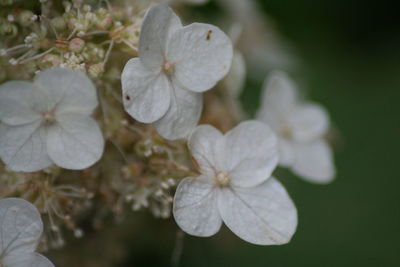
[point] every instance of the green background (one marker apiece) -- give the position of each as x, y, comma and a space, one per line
350, 53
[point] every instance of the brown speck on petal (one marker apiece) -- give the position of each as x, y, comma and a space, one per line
208, 37
127, 97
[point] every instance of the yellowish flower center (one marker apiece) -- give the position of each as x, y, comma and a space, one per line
222, 178
48, 117
169, 68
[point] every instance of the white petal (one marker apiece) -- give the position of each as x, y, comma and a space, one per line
202, 55
279, 95
206, 146
27, 260
20, 227
195, 207
308, 122
286, 152
314, 161
262, 215
16, 103
23, 147
236, 77
251, 153
75, 142
146, 94
182, 116
66, 90
158, 25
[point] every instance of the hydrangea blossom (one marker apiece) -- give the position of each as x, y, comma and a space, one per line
235, 186
48, 122
176, 64
300, 126
20, 230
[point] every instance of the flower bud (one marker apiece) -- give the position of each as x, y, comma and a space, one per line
8, 29
26, 17
96, 69
76, 45
59, 24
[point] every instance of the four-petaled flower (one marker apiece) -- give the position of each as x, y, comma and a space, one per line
48, 122
176, 64
20, 230
235, 186
300, 126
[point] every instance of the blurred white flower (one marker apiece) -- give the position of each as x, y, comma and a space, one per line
235, 186
300, 126
20, 230
176, 65
236, 77
48, 122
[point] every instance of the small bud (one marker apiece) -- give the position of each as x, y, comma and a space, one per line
8, 29
26, 17
96, 69
76, 45
59, 24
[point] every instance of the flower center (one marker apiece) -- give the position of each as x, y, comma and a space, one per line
286, 131
168, 67
48, 117
222, 178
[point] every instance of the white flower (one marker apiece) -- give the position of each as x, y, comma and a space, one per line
235, 186
176, 64
236, 77
48, 122
20, 230
300, 126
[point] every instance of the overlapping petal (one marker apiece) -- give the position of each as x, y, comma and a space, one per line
308, 122
182, 116
279, 94
263, 215
147, 94
251, 153
202, 55
75, 141
195, 207
159, 24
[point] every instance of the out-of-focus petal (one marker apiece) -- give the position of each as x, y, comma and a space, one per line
308, 122
314, 161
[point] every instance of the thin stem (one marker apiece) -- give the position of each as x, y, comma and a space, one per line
37, 56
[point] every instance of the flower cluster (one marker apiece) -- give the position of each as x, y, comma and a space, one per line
87, 135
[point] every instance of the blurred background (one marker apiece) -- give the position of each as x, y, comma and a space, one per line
348, 54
